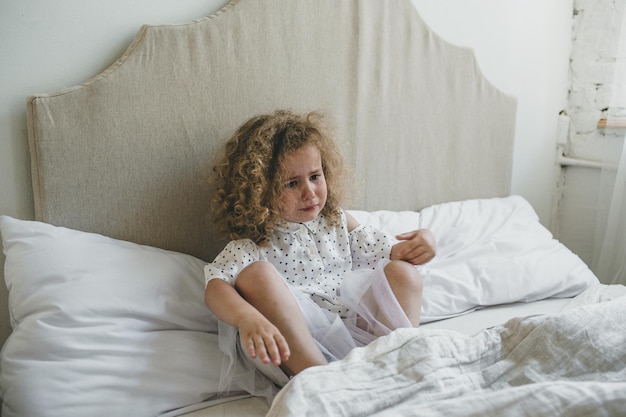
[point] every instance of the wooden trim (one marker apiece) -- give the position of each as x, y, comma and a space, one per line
612, 123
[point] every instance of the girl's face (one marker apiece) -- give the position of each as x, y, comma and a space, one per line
305, 186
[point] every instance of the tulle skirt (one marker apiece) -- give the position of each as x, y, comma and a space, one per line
373, 311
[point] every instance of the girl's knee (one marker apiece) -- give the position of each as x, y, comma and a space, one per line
403, 275
257, 276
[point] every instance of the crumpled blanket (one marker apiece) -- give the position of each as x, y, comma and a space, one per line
571, 363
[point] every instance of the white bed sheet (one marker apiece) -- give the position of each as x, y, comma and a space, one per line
493, 315
245, 407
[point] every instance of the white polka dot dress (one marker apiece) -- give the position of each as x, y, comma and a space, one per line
312, 257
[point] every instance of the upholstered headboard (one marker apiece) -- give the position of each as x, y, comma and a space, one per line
128, 153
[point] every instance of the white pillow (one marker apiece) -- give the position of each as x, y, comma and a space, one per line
489, 252
102, 326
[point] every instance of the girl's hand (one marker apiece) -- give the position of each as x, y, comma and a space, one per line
416, 247
263, 340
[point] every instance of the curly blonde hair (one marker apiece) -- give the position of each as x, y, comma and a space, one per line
249, 189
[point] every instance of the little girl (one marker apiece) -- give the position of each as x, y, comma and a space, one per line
301, 280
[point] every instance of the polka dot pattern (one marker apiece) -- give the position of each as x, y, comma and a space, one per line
312, 257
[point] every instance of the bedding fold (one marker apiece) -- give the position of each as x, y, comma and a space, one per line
569, 363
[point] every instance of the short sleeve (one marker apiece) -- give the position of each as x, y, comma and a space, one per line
231, 260
368, 246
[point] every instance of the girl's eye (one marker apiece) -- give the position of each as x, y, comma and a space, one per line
315, 177
291, 184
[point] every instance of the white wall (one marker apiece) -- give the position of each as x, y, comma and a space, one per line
595, 44
522, 47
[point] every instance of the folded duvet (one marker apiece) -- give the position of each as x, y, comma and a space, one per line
571, 363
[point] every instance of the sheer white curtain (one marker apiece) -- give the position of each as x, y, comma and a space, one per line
609, 260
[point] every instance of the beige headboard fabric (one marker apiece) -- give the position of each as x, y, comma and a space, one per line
128, 153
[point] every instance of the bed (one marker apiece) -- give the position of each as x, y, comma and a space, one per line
106, 286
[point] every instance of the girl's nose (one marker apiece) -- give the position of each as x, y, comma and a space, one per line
308, 190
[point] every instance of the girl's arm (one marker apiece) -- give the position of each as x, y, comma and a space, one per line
417, 247
254, 329
352, 222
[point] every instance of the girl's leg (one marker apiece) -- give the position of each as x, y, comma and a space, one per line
406, 284
263, 287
